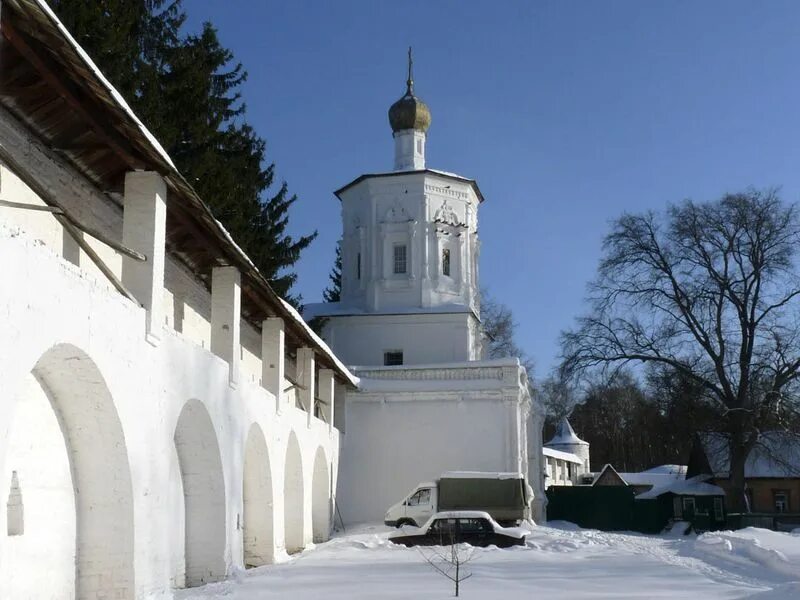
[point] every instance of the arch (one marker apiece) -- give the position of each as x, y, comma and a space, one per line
321, 498
84, 518
293, 496
257, 508
203, 493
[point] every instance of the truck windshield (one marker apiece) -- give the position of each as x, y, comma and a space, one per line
420, 497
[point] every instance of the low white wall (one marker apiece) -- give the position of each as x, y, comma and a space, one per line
57, 319
423, 422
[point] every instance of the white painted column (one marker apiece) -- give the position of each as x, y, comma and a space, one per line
273, 363
326, 384
144, 230
226, 314
306, 379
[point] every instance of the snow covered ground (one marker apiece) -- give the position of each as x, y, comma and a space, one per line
559, 561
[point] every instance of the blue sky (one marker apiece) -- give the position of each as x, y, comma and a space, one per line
567, 113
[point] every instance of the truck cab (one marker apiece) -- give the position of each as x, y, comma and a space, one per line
416, 508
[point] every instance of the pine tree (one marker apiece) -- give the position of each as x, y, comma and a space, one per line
333, 293
185, 88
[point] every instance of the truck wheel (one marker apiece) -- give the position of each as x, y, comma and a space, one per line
402, 522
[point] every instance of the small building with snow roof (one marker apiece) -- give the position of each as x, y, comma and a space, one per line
772, 470
566, 456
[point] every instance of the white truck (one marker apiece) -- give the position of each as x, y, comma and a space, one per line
505, 496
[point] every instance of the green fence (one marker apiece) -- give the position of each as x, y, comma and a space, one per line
609, 508
774, 521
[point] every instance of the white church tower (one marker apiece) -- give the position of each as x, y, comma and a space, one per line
408, 323
409, 257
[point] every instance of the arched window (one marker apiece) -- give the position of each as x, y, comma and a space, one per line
446, 262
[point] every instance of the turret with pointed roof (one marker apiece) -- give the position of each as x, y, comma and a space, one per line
566, 440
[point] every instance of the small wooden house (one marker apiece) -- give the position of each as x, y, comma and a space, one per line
693, 500
772, 471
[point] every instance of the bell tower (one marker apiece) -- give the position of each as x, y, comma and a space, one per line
409, 256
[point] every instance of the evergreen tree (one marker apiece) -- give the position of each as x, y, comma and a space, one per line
185, 88
333, 292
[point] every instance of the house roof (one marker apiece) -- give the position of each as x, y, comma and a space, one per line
51, 85
653, 477
606, 475
444, 174
776, 454
695, 486
565, 435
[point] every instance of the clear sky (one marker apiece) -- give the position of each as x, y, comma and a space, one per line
567, 113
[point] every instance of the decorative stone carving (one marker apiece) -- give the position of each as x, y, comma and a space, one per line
435, 374
445, 214
397, 214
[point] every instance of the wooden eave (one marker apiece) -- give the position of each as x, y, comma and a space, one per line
56, 92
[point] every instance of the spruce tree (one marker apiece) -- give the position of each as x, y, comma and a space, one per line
185, 88
333, 293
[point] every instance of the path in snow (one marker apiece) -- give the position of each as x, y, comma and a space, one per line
559, 562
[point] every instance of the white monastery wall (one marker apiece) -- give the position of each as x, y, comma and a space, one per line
84, 342
187, 303
143, 462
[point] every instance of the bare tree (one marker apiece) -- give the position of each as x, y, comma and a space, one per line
449, 560
500, 328
558, 398
710, 291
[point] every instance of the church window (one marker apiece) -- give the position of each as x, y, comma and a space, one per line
419, 146
358, 265
446, 262
400, 262
393, 358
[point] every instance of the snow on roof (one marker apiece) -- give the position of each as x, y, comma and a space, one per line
565, 435
105, 82
471, 182
480, 475
339, 364
776, 454
558, 454
676, 469
695, 486
151, 139
657, 476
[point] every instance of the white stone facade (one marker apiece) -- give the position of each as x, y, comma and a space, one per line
410, 424
142, 448
423, 224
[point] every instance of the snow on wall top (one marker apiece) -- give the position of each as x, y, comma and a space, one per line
558, 454
480, 475
565, 435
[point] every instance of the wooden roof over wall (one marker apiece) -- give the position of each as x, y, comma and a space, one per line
57, 92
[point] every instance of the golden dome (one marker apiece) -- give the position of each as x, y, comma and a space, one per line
409, 112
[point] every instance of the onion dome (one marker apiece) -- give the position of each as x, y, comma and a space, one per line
409, 112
